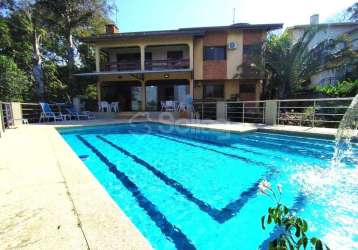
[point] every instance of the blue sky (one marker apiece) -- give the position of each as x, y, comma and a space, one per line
141, 15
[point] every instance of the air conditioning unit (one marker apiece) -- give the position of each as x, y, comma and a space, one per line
232, 45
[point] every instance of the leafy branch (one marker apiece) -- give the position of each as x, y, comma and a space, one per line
293, 229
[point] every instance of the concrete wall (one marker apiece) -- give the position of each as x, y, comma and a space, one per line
215, 69
234, 56
198, 58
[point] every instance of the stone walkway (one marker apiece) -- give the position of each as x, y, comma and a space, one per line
49, 200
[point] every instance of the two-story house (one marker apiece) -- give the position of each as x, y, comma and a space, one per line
143, 69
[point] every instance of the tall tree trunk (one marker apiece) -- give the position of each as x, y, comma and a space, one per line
37, 66
71, 60
286, 90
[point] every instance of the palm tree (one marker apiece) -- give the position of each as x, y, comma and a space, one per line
289, 65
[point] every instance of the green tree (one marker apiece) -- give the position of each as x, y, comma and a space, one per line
290, 65
14, 85
68, 18
352, 12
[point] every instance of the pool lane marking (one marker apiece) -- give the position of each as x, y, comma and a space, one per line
171, 231
325, 149
220, 215
181, 137
269, 145
215, 150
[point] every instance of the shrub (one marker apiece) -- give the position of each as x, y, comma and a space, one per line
14, 85
293, 228
345, 88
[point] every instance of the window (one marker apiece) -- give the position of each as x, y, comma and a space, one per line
215, 53
128, 57
247, 88
148, 56
252, 49
175, 55
213, 91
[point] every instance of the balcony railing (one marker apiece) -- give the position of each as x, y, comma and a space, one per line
167, 64
122, 66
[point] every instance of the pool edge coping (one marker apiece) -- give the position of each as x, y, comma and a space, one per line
118, 217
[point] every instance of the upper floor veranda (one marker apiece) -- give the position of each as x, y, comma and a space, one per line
209, 52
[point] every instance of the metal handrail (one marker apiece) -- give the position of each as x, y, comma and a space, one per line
5, 115
295, 117
122, 66
167, 64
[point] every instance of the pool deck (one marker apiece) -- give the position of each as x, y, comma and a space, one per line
50, 200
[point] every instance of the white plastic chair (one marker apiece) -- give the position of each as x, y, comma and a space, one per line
163, 106
181, 107
115, 106
169, 106
103, 106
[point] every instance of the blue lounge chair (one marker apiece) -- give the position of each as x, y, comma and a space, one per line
47, 113
86, 114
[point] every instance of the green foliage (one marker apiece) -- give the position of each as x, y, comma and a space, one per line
293, 229
345, 88
52, 25
55, 90
91, 92
14, 85
290, 64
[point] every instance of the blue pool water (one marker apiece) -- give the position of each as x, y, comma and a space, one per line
188, 188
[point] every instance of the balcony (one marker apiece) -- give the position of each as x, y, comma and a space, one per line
155, 58
121, 66
167, 57
120, 59
168, 64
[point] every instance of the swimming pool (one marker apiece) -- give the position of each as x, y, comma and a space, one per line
189, 188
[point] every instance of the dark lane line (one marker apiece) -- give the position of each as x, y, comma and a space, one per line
328, 148
180, 140
171, 231
220, 215
212, 150
214, 143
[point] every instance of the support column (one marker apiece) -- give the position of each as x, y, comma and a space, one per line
191, 56
97, 59
142, 57
98, 91
16, 113
220, 111
2, 125
191, 87
143, 96
270, 112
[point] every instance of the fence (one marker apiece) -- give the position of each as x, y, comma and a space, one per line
206, 110
32, 111
248, 112
5, 116
324, 112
